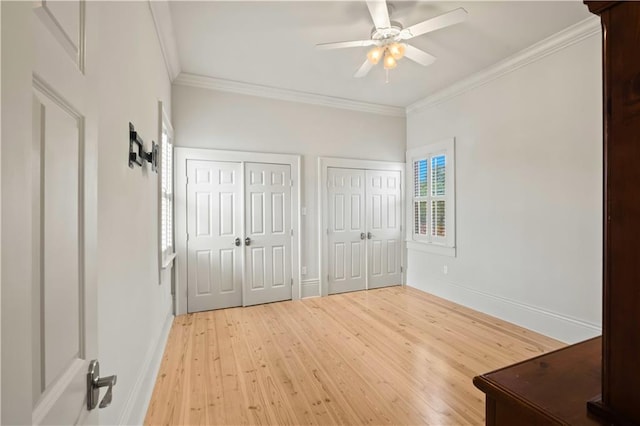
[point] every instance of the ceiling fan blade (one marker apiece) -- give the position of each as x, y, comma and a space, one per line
450, 18
379, 13
364, 69
419, 56
343, 44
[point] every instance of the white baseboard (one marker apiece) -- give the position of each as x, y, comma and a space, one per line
135, 409
552, 324
310, 288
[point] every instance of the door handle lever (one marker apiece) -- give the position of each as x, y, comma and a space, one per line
363, 236
369, 235
237, 242
247, 241
107, 381
95, 382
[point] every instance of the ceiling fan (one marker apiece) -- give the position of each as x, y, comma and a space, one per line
388, 37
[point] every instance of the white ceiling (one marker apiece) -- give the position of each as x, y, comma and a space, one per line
272, 43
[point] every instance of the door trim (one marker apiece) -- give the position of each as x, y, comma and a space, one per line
181, 156
347, 163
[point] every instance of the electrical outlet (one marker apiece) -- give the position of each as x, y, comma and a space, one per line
445, 269
304, 270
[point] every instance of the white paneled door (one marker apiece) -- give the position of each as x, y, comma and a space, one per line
384, 220
214, 226
268, 276
364, 229
346, 230
64, 327
239, 234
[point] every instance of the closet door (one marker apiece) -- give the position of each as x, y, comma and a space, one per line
384, 220
268, 233
346, 230
214, 245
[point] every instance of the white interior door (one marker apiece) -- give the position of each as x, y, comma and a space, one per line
384, 221
268, 231
64, 218
214, 221
346, 230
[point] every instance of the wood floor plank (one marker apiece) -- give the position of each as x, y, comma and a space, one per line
371, 363
387, 356
319, 383
393, 348
290, 373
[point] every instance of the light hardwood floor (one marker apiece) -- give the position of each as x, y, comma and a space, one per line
388, 356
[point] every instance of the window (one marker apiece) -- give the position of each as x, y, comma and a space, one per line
166, 192
432, 197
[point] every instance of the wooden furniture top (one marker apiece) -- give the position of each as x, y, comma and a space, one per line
556, 385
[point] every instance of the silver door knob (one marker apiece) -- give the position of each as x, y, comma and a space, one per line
237, 242
369, 235
363, 236
247, 241
95, 382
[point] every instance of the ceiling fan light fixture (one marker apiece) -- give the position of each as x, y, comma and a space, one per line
374, 55
396, 50
387, 38
389, 62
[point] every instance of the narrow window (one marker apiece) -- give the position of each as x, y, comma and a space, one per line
433, 195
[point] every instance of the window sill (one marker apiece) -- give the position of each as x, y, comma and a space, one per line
431, 248
167, 262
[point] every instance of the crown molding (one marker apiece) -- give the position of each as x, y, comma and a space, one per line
164, 30
193, 80
535, 52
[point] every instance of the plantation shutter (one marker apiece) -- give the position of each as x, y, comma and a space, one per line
166, 220
430, 198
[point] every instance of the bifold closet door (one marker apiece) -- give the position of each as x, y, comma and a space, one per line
346, 230
268, 276
384, 220
214, 264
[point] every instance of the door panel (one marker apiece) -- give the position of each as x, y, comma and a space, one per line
384, 211
214, 264
268, 219
346, 202
64, 303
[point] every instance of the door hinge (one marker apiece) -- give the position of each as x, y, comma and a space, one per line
291, 182
401, 269
187, 180
291, 282
187, 236
327, 231
292, 232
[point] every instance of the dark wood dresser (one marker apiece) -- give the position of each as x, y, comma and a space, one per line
597, 381
551, 389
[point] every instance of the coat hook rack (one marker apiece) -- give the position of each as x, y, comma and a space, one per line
137, 154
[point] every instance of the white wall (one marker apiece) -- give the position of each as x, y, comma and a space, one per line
133, 305
211, 119
528, 195
0, 216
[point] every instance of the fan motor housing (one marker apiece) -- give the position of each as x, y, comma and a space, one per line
384, 34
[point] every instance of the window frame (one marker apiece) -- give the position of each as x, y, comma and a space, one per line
166, 203
432, 243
